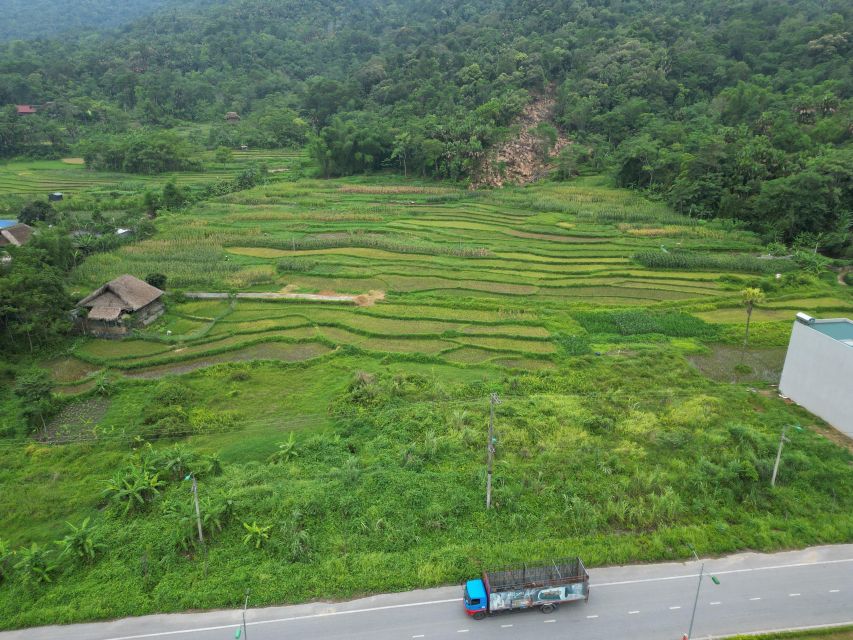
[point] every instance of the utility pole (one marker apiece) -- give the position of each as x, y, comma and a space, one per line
696, 599
493, 400
197, 510
714, 579
782, 440
245, 606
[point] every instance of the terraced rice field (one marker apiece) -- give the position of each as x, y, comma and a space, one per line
494, 279
69, 176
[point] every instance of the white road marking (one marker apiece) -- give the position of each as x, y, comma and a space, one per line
673, 608
717, 573
713, 603
462, 631
632, 612
547, 621
420, 636
755, 598
160, 634
591, 617
793, 595
505, 626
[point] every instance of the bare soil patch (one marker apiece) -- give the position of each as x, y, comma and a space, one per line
370, 298
77, 161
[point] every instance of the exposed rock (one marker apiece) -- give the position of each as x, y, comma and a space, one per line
518, 160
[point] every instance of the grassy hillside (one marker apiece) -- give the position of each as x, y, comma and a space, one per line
348, 441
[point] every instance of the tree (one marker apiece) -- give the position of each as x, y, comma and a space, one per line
750, 297
33, 301
173, 197
35, 389
37, 211
223, 154
156, 280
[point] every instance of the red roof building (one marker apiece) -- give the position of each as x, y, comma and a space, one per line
25, 109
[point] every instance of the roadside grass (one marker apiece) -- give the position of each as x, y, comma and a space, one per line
625, 429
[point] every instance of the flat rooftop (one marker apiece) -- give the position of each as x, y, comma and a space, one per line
840, 329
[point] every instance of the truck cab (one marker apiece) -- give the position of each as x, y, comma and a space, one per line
474, 597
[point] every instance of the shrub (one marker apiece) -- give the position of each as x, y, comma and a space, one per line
574, 345
294, 265
256, 535
156, 280
286, 451
35, 564
133, 487
81, 542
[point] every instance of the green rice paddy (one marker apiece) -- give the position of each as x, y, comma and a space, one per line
632, 420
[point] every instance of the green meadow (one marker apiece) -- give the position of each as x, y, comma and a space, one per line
340, 448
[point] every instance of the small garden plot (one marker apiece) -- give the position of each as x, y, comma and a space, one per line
338, 285
468, 355
178, 325
509, 344
258, 326
69, 370
398, 345
507, 330
76, 420
265, 351
97, 349
341, 336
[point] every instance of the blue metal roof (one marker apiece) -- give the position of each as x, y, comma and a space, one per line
840, 329
476, 589
7, 223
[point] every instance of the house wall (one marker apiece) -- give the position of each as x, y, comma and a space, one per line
818, 375
101, 329
147, 314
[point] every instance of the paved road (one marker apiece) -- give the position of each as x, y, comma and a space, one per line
757, 592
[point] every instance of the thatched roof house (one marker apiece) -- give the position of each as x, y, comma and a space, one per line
120, 304
232, 116
15, 235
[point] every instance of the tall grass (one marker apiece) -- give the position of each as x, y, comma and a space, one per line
686, 260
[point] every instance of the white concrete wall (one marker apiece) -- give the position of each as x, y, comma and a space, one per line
818, 375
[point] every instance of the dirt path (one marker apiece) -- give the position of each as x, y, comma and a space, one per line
843, 272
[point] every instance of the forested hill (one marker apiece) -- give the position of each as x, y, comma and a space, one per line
25, 19
738, 108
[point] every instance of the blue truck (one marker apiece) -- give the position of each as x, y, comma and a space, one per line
543, 586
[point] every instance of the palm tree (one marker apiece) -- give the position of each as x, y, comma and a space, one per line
750, 296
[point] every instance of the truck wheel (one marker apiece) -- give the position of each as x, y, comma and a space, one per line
548, 608
479, 615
